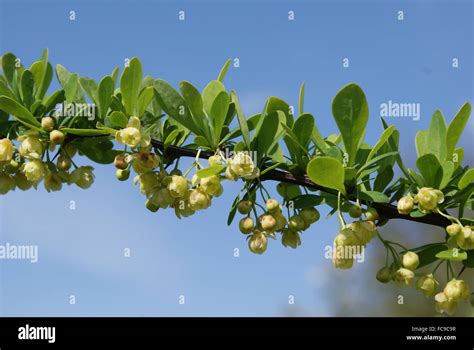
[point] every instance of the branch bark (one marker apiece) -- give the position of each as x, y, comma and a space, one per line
386, 211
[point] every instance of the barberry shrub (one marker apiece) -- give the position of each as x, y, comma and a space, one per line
144, 126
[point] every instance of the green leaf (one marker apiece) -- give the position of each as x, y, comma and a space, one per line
428, 255
85, 132
469, 262
272, 105
105, 93
466, 179
303, 129
223, 71
327, 172
5, 90
209, 94
383, 139
428, 165
210, 171
91, 89
171, 137
452, 255
71, 88
437, 136
174, 105
318, 140
270, 125
307, 201
63, 77
27, 84
374, 161
233, 211
130, 85
193, 99
98, 149
241, 119
383, 179
422, 142
351, 113
456, 128
218, 113
118, 119
145, 98
8, 66
18, 112
301, 100
444, 174
51, 102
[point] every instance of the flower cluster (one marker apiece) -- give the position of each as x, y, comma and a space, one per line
446, 301
427, 200
25, 166
271, 221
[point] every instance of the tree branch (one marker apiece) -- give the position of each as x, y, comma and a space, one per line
386, 211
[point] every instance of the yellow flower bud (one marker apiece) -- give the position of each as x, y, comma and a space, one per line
244, 207
290, 239
453, 229
258, 243
384, 275
411, 260
52, 181
444, 305
268, 223
7, 183
129, 136
465, 239
215, 160
199, 200
280, 220
428, 199
47, 123
64, 163
365, 231
456, 290
296, 223
310, 215
6, 150
83, 177
22, 182
182, 208
122, 174
33, 170
405, 205
404, 276
211, 185
31, 146
427, 285
371, 214
56, 137
242, 165
355, 211
178, 186
144, 161
272, 205
148, 182
150, 205
246, 225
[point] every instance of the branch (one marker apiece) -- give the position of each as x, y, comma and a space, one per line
386, 211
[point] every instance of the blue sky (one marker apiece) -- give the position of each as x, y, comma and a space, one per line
81, 251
